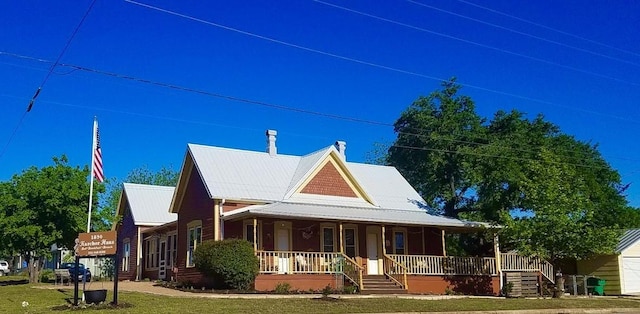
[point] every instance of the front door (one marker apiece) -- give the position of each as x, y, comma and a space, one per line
372, 254
162, 264
282, 244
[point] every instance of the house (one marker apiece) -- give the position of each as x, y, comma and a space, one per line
621, 270
145, 229
313, 220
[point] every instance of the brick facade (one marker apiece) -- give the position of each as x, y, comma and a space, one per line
328, 181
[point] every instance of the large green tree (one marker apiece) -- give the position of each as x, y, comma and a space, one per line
41, 207
556, 195
106, 215
434, 148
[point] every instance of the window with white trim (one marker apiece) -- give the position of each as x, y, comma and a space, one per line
126, 254
151, 253
400, 241
248, 233
194, 237
350, 242
328, 238
172, 241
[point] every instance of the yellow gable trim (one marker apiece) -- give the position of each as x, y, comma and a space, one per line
339, 165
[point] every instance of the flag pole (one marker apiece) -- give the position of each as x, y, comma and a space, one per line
93, 149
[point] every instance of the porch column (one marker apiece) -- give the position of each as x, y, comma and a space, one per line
384, 243
255, 235
341, 240
444, 248
496, 249
138, 255
216, 220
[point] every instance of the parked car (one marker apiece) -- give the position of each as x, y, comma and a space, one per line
4, 268
77, 273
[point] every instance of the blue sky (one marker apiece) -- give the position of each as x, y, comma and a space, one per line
359, 59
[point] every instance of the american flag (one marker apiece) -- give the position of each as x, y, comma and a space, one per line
97, 158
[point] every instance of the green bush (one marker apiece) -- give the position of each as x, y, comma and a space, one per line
231, 261
283, 288
46, 275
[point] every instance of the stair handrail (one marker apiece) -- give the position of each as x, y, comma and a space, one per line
525, 263
356, 267
389, 264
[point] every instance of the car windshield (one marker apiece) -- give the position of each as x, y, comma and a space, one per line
71, 265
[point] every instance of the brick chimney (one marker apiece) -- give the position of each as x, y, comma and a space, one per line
341, 146
271, 142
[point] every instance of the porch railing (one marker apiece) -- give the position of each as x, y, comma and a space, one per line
446, 265
395, 271
353, 271
289, 262
515, 262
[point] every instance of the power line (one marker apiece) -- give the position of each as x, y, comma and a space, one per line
548, 27
375, 65
274, 106
476, 43
525, 34
46, 78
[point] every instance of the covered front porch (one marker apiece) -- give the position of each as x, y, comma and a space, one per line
311, 254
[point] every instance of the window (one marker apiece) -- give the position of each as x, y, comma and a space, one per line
248, 233
194, 237
152, 250
172, 241
126, 254
400, 241
328, 238
350, 242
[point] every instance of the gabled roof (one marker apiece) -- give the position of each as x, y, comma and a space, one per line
629, 238
257, 176
149, 204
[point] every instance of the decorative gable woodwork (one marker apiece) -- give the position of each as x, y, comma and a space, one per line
329, 181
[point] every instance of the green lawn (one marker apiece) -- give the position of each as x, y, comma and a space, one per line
43, 300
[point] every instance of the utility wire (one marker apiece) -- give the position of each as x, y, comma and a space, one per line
46, 78
421, 29
525, 34
548, 27
375, 65
299, 110
268, 105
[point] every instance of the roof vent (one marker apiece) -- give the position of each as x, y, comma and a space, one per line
341, 146
271, 142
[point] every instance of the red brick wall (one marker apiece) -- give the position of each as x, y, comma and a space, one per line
469, 285
328, 181
230, 206
301, 282
196, 205
433, 241
414, 240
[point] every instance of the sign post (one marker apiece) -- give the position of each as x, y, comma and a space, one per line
97, 244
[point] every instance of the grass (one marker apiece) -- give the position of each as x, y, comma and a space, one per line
44, 300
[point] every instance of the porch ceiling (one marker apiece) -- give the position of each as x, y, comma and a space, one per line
352, 214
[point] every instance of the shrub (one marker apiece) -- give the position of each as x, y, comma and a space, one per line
283, 288
231, 261
46, 275
326, 291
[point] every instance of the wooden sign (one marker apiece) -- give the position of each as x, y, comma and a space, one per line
96, 244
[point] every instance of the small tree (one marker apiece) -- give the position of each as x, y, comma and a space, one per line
231, 261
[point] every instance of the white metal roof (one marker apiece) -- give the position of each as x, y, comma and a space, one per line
150, 204
629, 238
352, 214
235, 174
248, 175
